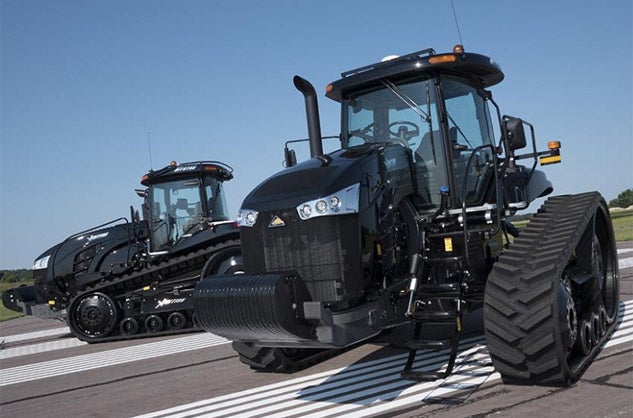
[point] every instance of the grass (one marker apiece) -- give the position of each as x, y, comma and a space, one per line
623, 225
6, 314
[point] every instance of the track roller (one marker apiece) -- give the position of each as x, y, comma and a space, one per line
154, 323
176, 320
129, 326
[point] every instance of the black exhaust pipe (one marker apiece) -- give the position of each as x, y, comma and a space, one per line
312, 113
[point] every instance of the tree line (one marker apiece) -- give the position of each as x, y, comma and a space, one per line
16, 276
624, 200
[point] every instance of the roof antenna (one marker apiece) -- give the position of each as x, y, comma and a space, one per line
149, 145
459, 33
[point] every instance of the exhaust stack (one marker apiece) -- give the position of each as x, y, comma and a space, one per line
312, 114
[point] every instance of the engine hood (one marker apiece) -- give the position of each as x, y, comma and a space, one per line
313, 179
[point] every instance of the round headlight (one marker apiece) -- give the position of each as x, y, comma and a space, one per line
335, 202
306, 211
250, 219
321, 206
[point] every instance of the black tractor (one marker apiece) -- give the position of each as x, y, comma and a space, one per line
409, 223
128, 279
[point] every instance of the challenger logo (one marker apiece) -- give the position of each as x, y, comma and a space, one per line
166, 302
276, 222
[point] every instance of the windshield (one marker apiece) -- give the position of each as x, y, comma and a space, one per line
175, 209
391, 113
216, 202
405, 112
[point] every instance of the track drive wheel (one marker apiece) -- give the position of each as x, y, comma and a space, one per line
551, 300
93, 316
279, 360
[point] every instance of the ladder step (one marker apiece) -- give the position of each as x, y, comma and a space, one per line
435, 345
439, 287
439, 291
444, 259
420, 376
435, 316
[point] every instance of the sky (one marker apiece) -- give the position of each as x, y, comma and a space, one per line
85, 83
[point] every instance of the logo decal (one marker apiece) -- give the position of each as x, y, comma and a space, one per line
166, 302
276, 222
93, 237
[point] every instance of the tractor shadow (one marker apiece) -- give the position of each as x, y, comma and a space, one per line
375, 378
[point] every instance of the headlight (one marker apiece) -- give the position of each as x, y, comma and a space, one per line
247, 217
41, 263
340, 203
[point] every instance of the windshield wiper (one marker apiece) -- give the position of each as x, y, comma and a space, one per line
406, 100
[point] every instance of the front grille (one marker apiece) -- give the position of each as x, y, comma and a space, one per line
325, 251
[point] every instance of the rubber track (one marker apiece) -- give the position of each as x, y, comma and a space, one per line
187, 263
273, 360
521, 330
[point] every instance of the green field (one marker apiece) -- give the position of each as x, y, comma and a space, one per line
5, 313
622, 225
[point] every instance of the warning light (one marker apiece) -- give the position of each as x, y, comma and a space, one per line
553, 145
328, 88
458, 49
173, 163
438, 59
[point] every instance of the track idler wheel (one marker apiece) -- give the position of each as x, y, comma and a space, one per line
93, 316
154, 323
176, 321
129, 326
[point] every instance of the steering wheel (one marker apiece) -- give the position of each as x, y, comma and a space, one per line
403, 132
366, 133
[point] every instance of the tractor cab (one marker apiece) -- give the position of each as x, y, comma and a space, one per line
182, 200
435, 107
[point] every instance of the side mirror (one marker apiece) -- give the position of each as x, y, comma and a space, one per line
290, 157
141, 193
514, 132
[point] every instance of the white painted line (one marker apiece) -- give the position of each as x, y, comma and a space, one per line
54, 332
92, 361
364, 389
330, 390
40, 348
625, 250
624, 263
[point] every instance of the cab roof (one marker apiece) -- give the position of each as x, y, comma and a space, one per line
174, 171
479, 68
